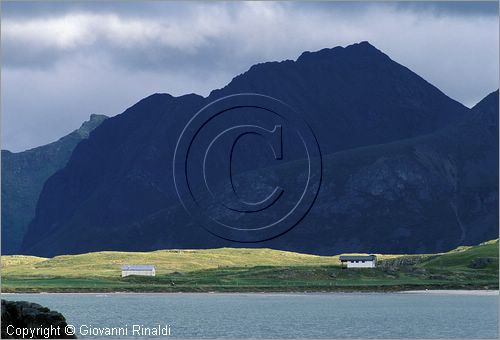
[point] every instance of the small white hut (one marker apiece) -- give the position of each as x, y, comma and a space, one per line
358, 261
138, 269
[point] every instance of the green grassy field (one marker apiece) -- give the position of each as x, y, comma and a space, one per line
250, 270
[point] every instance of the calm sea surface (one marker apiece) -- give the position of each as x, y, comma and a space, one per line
364, 315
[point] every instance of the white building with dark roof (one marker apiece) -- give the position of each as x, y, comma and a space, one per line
138, 269
358, 261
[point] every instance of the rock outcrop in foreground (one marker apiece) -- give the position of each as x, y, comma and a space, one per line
28, 316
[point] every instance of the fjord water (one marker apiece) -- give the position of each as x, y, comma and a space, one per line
350, 315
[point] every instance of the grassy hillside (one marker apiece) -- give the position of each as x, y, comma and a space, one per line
461, 258
250, 270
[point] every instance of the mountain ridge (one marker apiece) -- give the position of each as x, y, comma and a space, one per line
120, 178
23, 176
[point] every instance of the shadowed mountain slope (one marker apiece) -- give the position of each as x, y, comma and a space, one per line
389, 141
23, 176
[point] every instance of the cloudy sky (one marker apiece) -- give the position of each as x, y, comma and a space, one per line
63, 61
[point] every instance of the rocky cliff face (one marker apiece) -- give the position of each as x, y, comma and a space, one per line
30, 317
23, 176
402, 165
419, 195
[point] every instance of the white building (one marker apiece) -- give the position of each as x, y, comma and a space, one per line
139, 269
358, 261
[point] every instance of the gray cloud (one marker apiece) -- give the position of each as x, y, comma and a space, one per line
148, 9
459, 8
61, 62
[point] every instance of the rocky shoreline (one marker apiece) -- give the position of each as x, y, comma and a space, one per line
22, 319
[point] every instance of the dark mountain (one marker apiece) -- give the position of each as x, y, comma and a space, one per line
422, 194
389, 141
23, 176
357, 94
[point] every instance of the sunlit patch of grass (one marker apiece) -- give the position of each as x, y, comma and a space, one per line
228, 269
